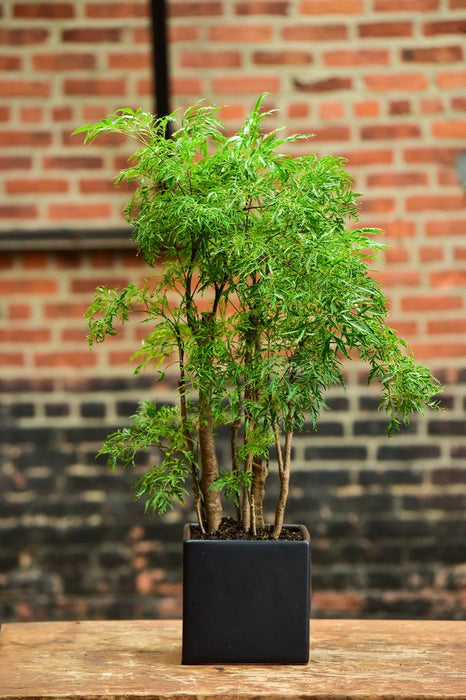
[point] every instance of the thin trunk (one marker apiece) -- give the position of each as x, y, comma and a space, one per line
188, 437
258, 490
284, 459
234, 455
209, 463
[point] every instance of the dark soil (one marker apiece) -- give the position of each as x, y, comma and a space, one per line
230, 529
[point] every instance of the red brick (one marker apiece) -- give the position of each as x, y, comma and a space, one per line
32, 139
34, 261
431, 302
65, 359
385, 29
356, 57
24, 335
10, 63
282, 58
397, 107
89, 284
92, 35
331, 110
180, 86
404, 328
64, 309
406, 5
431, 154
72, 162
332, 133
435, 202
98, 186
446, 227
433, 105
12, 359
298, 110
115, 87
233, 112
210, 59
64, 113
22, 37
5, 114
246, 84
460, 253
447, 26
63, 61
325, 7
31, 114
396, 81
448, 278
267, 7
28, 286
457, 4
432, 54
431, 254
459, 104
386, 132
18, 211
313, 32
449, 130
398, 278
366, 108
425, 351
195, 9
451, 80
399, 229
25, 88
129, 61
85, 210
369, 157
378, 205
450, 325
44, 10
182, 33
404, 179
324, 85
73, 335
19, 312
15, 163
245, 32
36, 186
101, 10
447, 178
397, 255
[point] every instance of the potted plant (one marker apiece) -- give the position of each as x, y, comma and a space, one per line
257, 291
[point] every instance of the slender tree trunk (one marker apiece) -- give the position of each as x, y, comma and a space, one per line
284, 460
258, 490
209, 463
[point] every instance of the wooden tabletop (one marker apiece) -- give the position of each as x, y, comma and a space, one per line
360, 659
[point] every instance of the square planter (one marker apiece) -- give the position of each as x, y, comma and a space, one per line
246, 601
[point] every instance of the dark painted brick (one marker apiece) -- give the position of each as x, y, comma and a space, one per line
369, 403
407, 452
22, 410
127, 408
446, 502
401, 529
336, 452
449, 476
324, 478
450, 427
389, 477
458, 451
324, 429
393, 578
455, 552
337, 403
92, 409
379, 427
362, 504
57, 409
16, 386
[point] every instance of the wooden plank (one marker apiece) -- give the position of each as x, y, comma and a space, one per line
360, 659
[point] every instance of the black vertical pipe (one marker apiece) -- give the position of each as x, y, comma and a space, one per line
160, 57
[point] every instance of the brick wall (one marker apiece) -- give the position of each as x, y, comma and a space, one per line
378, 81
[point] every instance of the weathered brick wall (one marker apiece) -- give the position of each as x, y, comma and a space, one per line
378, 81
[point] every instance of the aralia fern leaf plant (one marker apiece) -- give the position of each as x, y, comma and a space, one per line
260, 289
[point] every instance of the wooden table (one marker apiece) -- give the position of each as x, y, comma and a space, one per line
361, 659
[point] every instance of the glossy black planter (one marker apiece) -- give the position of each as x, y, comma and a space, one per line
246, 601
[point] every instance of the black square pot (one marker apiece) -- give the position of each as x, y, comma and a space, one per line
246, 601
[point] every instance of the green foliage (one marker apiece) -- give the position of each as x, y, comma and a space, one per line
265, 289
